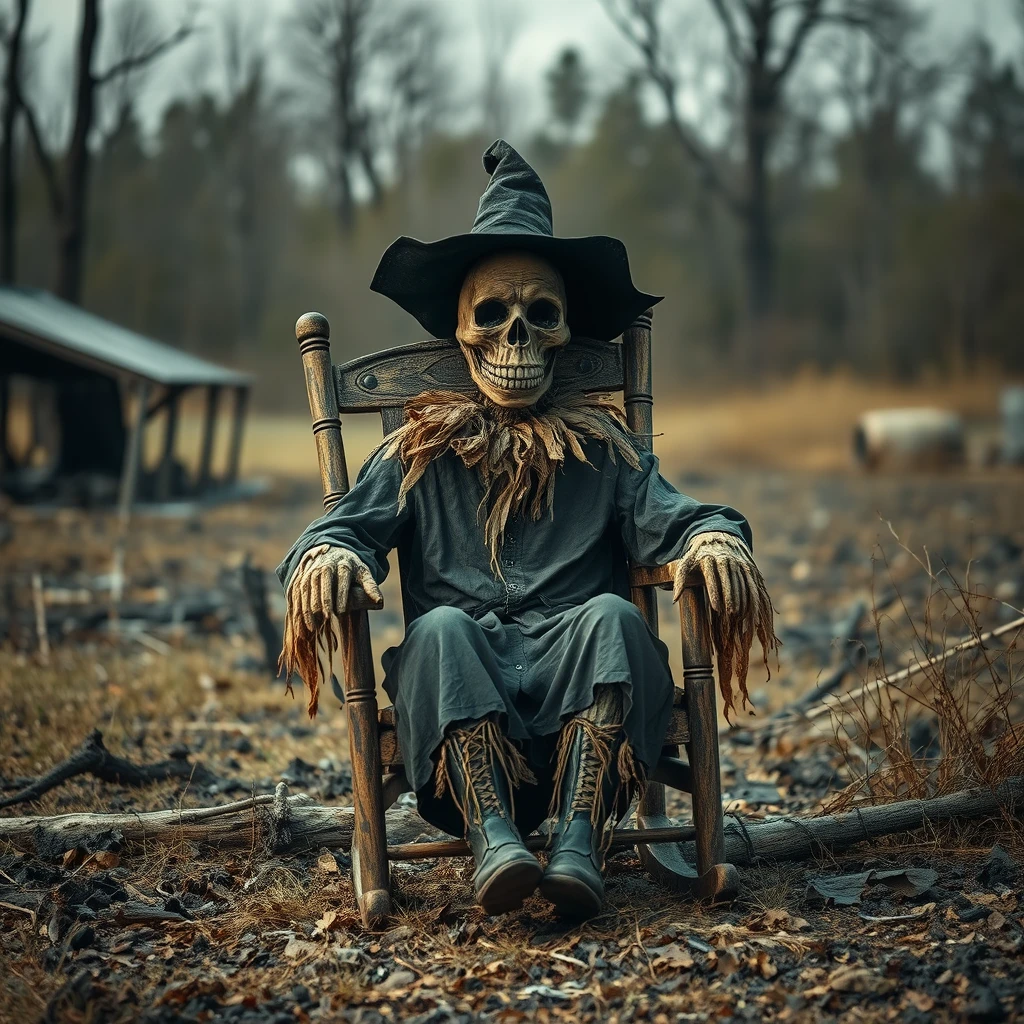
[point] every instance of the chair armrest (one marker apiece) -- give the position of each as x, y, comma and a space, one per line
660, 576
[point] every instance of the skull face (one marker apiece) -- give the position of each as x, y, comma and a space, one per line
511, 324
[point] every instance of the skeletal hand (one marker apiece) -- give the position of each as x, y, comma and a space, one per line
727, 567
328, 581
331, 581
740, 606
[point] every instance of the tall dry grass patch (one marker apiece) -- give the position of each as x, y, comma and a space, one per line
956, 722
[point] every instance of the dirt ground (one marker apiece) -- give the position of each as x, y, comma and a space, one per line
252, 938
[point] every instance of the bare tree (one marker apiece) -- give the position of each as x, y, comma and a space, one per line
568, 85
67, 177
500, 24
374, 63
334, 37
13, 38
245, 154
412, 44
765, 41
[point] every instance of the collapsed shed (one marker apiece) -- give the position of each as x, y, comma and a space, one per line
78, 397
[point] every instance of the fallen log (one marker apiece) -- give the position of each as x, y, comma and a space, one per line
284, 824
791, 838
93, 758
272, 824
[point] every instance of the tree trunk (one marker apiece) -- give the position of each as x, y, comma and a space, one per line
71, 237
8, 155
758, 225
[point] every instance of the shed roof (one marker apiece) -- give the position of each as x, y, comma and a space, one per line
36, 318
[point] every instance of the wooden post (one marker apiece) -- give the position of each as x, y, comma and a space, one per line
209, 431
638, 399
5, 404
129, 485
39, 607
370, 873
716, 878
166, 472
237, 427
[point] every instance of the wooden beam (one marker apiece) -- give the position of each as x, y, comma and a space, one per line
237, 427
5, 404
209, 431
133, 452
165, 476
129, 485
622, 839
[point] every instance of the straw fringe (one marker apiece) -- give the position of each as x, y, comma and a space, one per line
302, 649
733, 634
481, 749
516, 451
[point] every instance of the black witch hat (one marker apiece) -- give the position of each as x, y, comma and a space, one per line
425, 278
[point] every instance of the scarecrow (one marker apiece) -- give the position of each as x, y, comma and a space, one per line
527, 684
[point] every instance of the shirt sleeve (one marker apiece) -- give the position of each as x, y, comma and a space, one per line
657, 522
367, 520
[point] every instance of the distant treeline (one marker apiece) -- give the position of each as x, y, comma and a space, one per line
892, 239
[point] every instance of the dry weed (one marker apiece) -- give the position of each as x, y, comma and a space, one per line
955, 723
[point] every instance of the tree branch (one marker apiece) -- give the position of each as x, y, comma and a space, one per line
136, 61
809, 20
645, 38
46, 162
732, 36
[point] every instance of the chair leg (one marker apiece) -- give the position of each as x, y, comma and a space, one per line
717, 880
370, 875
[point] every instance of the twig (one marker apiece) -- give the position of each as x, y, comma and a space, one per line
911, 670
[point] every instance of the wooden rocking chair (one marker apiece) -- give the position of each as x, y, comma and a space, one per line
383, 382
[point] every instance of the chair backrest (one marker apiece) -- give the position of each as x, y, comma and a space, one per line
384, 381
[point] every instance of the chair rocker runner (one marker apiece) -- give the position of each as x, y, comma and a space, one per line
384, 382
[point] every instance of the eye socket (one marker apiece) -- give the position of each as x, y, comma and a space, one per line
491, 313
544, 313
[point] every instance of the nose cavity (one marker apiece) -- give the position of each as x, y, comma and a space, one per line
517, 333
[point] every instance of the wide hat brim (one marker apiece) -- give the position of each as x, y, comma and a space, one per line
425, 278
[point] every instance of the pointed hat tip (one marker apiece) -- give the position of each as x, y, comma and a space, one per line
495, 153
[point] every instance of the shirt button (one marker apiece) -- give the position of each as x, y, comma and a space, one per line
513, 586
508, 561
519, 668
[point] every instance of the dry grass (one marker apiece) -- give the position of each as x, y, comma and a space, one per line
802, 424
953, 725
144, 703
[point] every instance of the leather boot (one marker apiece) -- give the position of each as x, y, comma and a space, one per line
479, 767
587, 788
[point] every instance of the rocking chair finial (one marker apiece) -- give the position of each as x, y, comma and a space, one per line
312, 327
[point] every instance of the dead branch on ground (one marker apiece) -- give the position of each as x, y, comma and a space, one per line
93, 758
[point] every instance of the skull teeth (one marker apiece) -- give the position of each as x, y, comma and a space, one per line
512, 378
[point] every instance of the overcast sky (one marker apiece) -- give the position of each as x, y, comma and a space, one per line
537, 29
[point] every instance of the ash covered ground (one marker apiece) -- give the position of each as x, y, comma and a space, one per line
113, 932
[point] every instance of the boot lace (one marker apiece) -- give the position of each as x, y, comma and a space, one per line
481, 751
